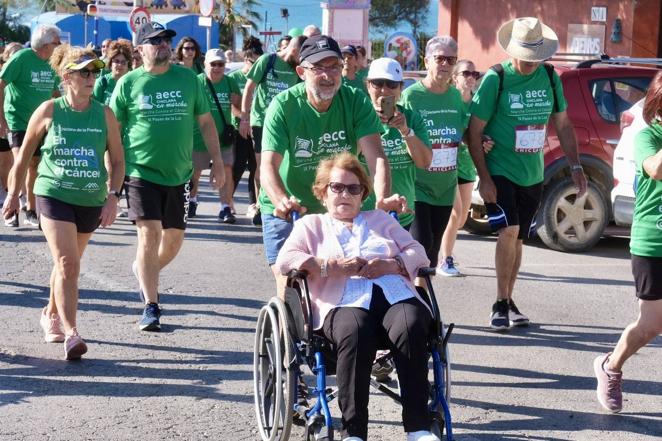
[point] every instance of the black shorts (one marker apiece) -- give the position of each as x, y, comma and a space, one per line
86, 219
461, 181
150, 201
428, 227
647, 272
519, 204
16, 141
256, 133
4, 145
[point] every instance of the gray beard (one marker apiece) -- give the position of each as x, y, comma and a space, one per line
324, 96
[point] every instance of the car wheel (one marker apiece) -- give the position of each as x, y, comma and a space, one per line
568, 223
477, 221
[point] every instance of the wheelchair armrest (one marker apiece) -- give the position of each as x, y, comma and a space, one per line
297, 274
426, 271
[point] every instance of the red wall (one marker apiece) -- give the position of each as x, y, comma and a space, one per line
475, 23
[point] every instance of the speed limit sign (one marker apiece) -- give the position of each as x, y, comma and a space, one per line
139, 16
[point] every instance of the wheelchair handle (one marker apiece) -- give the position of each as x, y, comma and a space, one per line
297, 274
394, 214
426, 271
295, 215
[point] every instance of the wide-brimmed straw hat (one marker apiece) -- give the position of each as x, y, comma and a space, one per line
528, 39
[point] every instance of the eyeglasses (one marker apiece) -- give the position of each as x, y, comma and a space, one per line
56, 43
319, 70
339, 187
378, 84
470, 73
217, 64
118, 61
156, 41
86, 73
188, 48
443, 58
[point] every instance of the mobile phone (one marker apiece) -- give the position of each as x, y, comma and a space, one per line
387, 106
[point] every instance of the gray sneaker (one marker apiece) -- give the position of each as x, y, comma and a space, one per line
609, 390
31, 218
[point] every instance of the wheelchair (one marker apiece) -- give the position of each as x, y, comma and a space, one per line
285, 343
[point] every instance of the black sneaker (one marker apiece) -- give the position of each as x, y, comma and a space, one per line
192, 208
12, 221
499, 320
516, 317
151, 316
257, 218
382, 369
31, 218
226, 216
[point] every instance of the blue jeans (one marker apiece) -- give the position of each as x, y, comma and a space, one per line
274, 233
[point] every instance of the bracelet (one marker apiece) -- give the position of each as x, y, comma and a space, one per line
576, 167
401, 264
409, 134
323, 268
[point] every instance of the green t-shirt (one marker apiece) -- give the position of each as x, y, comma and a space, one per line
157, 114
71, 168
646, 234
103, 88
356, 82
518, 122
311, 136
403, 169
444, 117
266, 90
240, 78
30, 81
465, 165
224, 90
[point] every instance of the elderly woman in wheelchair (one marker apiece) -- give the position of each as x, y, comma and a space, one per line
360, 267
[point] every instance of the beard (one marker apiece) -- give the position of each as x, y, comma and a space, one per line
325, 94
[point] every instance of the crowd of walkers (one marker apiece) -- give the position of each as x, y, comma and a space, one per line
78, 128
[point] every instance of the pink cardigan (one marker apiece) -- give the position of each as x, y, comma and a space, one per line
312, 237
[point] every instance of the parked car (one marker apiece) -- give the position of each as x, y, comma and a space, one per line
597, 94
622, 196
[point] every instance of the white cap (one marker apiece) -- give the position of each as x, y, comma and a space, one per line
385, 69
214, 55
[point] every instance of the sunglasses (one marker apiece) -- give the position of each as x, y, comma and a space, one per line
470, 73
120, 62
156, 41
217, 64
188, 48
443, 58
353, 189
390, 84
86, 73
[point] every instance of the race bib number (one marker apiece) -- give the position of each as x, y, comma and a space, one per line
444, 157
530, 139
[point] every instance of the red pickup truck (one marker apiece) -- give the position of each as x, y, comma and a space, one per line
597, 94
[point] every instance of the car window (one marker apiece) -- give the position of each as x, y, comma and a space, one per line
612, 96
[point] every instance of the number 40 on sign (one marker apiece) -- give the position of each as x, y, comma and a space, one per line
138, 16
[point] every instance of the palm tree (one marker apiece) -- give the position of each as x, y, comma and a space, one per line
234, 15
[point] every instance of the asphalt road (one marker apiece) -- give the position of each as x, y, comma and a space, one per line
193, 381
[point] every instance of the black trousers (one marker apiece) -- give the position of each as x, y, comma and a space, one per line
428, 227
357, 334
245, 158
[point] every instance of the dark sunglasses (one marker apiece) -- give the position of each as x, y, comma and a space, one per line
388, 83
217, 64
86, 73
155, 41
470, 73
339, 187
443, 58
188, 48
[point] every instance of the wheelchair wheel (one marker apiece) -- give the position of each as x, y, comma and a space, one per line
273, 376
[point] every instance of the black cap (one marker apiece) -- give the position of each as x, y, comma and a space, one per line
319, 47
152, 29
350, 49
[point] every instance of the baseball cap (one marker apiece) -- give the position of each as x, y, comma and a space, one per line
214, 55
319, 47
349, 49
152, 29
84, 61
385, 69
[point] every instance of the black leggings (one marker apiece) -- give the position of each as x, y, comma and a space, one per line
428, 228
403, 328
245, 157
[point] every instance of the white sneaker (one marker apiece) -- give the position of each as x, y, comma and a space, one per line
250, 211
447, 268
422, 435
352, 438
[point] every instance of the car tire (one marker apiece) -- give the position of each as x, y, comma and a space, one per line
477, 222
568, 224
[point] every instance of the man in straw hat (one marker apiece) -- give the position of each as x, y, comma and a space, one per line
513, 106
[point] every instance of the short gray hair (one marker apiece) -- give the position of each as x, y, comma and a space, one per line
311, 30
440, 42
43, 35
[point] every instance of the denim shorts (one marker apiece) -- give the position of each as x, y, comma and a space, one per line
274, 233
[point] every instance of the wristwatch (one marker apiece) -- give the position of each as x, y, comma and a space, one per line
409, 134
323, 269
117, 194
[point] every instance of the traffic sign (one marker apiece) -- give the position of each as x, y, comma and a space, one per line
139, 16
206, 7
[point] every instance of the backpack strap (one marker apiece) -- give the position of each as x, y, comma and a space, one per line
550, 73
498, 68
270, 67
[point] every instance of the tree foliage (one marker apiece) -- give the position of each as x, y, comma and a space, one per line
388, 14
234, 15
11, 28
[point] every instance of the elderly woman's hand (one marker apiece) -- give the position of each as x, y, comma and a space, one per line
378, 267
347, 266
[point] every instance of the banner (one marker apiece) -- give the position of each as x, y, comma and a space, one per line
402, 47
154, 6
